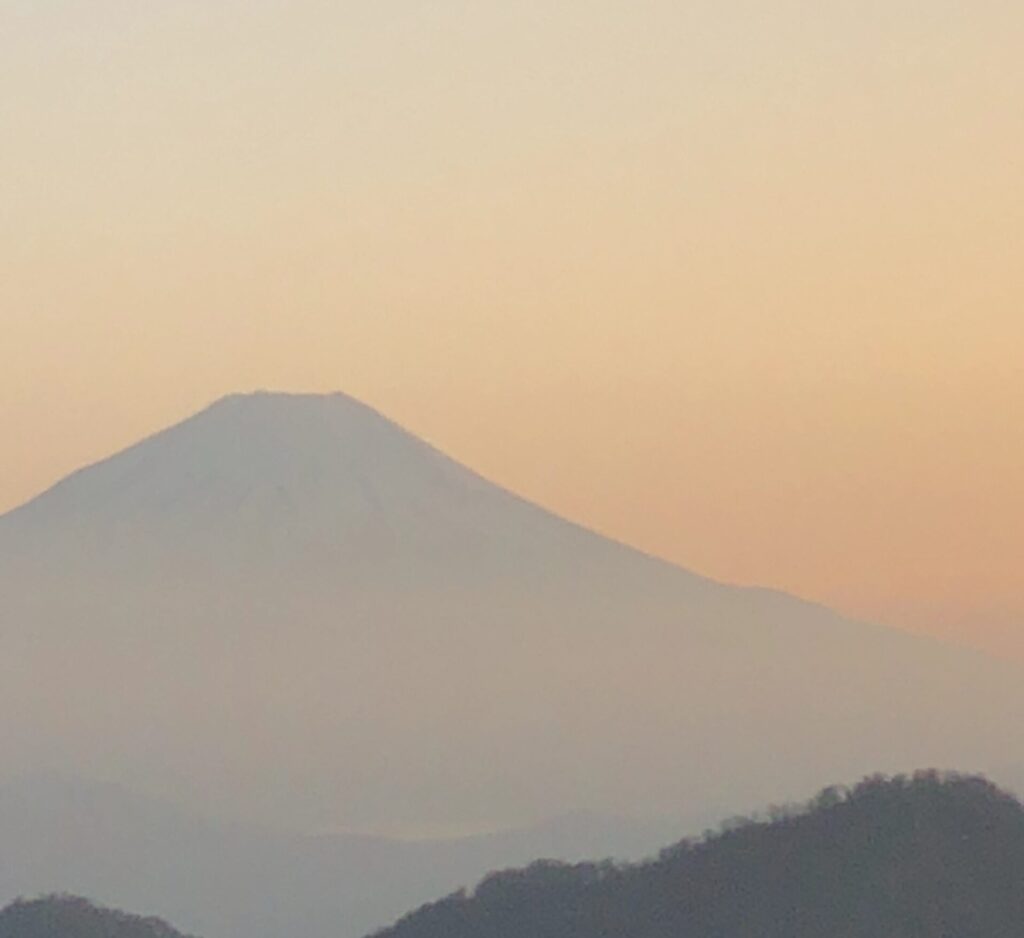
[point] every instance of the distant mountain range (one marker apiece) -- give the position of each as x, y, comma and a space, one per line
288, 613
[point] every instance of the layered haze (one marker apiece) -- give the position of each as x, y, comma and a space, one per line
230, 880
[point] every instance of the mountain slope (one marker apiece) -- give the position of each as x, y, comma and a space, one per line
297, 481
70, 917
288, 608
928, 857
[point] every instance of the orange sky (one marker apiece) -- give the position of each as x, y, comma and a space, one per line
737, 282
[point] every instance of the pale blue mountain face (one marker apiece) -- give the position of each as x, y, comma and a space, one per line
287, 609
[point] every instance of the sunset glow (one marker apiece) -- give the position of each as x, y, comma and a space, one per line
739, 284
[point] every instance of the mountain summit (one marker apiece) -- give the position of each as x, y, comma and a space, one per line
282, 453
318, 620
293, 479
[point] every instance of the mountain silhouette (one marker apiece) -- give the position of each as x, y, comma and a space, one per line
922, 857
289, 609
73, 917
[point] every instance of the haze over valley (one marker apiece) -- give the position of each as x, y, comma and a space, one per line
289, 612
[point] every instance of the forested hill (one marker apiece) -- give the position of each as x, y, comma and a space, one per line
71, 917
931, 856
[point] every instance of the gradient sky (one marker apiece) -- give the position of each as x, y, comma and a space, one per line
738, 282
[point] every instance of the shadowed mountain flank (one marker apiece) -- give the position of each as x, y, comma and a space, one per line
927, 857
72, 917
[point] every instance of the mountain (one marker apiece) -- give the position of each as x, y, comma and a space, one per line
231, 880
287, 609
71, 917
922, 857
305, 485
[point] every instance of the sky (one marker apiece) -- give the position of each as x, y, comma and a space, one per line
737, 282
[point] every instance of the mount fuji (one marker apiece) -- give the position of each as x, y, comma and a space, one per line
289, 609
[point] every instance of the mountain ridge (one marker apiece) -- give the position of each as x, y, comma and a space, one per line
930, 855
63, 916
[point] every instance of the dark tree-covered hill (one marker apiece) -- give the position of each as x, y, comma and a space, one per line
927, 856
71, 917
